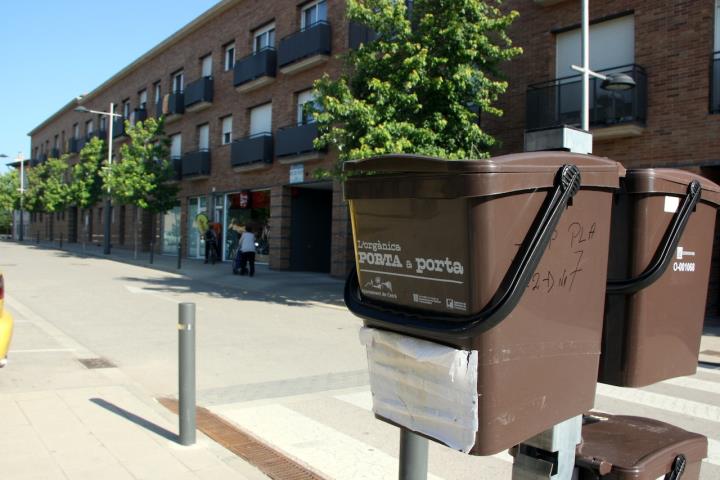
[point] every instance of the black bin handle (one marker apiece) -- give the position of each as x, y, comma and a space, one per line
511, 289
663, 255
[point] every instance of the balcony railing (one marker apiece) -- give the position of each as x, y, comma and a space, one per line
296, 140
138, 115
80, 143
558, 102
171, 105
42, 158
176, 163
255, 70
72, 145
199, 94
305, 48
54, 153
359, 34
253, 150
119, 127
715, 84
196, 164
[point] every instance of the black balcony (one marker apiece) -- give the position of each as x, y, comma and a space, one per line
296, 140
176, 164
253, 151
305, 48
138, 115
171, 105
199, 94
558, 102
54, 153
119, 128
42, 158
255, 70
195, 164
80, 143
359, 34
72, 145
715, 84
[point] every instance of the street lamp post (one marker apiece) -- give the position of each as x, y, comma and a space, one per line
108, 202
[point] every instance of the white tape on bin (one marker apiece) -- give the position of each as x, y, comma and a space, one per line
423, 386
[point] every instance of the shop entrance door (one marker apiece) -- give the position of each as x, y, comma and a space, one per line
310, 224
196, 240
171, 231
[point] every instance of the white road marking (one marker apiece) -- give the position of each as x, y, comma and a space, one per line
333, 453
695, 384
363, 400
691, 408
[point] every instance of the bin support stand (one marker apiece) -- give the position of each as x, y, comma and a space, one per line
553, 449
413, 456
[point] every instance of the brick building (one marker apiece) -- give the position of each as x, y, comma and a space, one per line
231, 85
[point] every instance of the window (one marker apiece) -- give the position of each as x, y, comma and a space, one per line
103, 122
612, 44
261, 119
264, 38
206, 66
176, 145
55, 141
126, 109
178, 82
203, 132
89, 127
229, 56
313, 13
142, 99
303, 98
717, 26
62, 139
158, 92
226, 135
76, 130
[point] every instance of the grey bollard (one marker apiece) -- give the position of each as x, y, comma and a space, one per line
186, 373
413, 456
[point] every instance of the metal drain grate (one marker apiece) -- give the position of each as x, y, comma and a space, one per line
93, 363
271, 462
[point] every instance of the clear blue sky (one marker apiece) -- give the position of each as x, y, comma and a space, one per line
54, 50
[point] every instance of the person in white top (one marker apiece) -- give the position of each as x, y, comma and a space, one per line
247, 251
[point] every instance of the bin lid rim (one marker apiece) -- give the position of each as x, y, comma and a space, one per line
667, 180
529, 162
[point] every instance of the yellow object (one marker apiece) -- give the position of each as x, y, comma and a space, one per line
6, 327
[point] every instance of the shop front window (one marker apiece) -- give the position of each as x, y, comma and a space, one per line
171, 231
196, 240
247, 209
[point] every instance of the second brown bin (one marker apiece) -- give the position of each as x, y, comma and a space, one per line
660, 253
506, 256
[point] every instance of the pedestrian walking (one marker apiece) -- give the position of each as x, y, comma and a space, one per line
247, 251
210, 245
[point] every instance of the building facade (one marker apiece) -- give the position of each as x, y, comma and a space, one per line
231, 86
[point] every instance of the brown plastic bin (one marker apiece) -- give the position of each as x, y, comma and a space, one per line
660, 253
488, 256
634, 448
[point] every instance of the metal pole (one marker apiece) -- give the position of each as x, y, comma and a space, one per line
413, 456
179, 259
22, 194
152, 251
37, 237
108, 202
186, 371
61, 239
585, 31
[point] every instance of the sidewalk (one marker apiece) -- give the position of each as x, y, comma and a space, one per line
272, 285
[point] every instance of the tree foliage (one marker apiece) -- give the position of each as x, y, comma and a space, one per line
420, 85
144, 174
48, 189
9, 191
86, 187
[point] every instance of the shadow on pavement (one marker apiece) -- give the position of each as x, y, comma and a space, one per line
157, 429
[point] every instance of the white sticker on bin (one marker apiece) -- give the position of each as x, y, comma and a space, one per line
671, 204
423, 386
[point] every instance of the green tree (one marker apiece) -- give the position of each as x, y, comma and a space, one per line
9, 198
421, 84
143, 176
48, 189
86, 187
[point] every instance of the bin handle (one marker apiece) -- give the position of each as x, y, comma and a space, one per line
663, 255
511, 289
